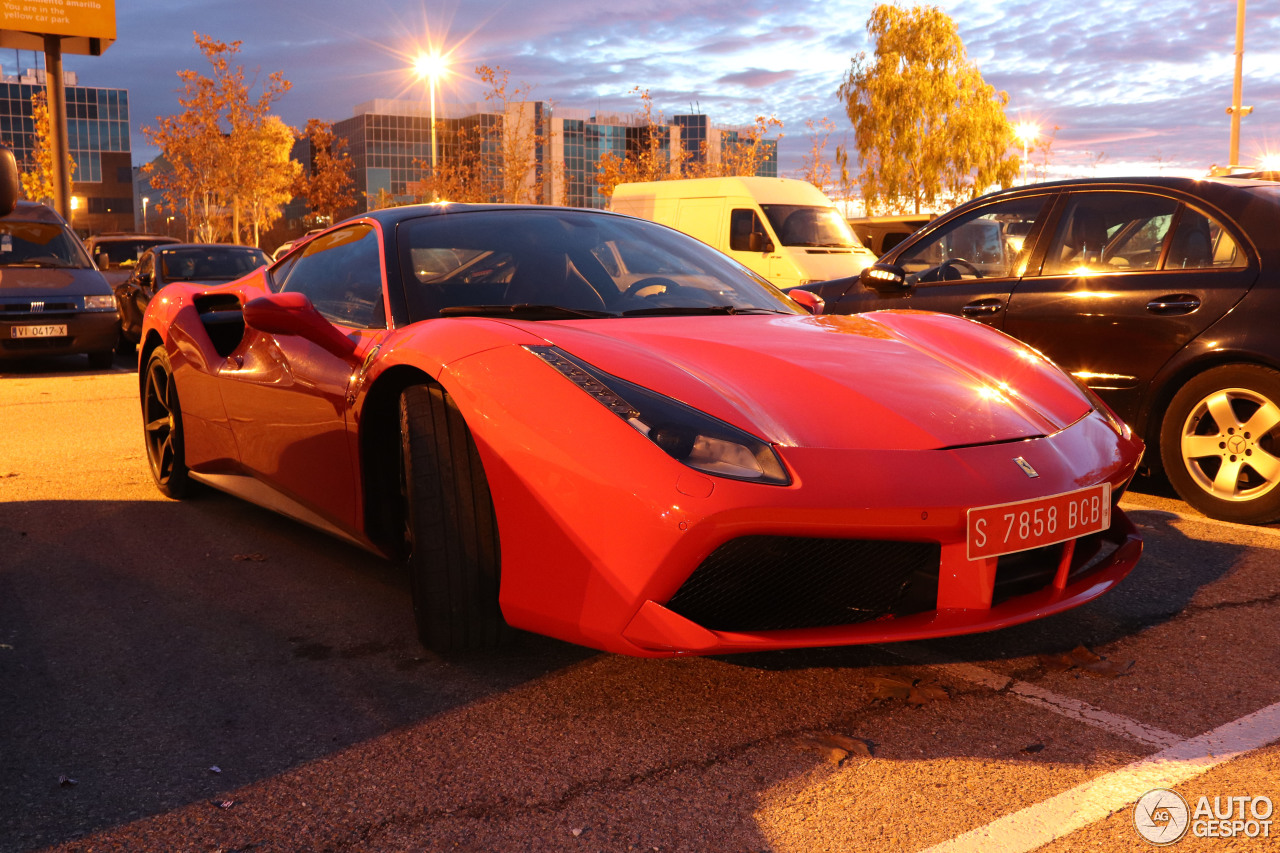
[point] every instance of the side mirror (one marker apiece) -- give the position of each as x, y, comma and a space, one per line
293, 314
809, 301
884, 278
103, 260
758, 242
10, 183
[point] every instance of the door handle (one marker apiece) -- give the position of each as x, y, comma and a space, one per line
982, 308
1174, 303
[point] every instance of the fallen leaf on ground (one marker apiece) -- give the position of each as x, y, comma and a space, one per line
835, 748
1085, 660
914, 690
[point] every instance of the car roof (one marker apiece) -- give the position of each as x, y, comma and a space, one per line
34, 211
108, 236
392, 215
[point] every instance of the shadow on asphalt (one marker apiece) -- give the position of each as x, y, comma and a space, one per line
143, 644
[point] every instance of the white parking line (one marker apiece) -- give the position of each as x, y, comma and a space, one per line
1096, 799
1073, 709
1066, 706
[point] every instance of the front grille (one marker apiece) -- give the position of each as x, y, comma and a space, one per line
770, 583
24, 308
1028, 571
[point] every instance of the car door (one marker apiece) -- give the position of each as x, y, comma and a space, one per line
133, 294
288, 398
968, 264
1126, 281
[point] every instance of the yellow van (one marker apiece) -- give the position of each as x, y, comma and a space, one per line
785, 229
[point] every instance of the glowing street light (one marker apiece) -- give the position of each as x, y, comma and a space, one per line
431, 67
145, 199
1026, 132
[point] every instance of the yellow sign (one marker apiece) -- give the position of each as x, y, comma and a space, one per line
83, 26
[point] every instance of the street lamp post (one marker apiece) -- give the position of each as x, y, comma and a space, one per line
1027, 133
432, 66
145, 199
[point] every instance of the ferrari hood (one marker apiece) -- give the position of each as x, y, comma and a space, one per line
888, 380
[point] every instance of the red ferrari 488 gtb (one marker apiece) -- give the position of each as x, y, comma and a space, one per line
597, 428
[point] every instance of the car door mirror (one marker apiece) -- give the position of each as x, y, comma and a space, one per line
10, 184
293, 314
808, 300
103, 260
759, 242
884, 278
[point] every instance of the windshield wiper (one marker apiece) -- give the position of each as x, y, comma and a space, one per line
523, 311
36, 264
699, 310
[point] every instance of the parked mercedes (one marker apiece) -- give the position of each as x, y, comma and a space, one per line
1161, 294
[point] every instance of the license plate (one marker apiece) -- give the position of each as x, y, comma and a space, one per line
1023, 525
54, 331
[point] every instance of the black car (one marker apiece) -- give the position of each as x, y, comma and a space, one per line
1161, 294
170, 262
53, 301
117, 252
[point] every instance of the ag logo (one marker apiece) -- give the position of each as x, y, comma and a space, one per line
1161, 816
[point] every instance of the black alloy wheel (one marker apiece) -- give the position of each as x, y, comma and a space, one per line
162, 426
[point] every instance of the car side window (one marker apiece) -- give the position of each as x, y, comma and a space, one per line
743, 222
989, 242
340, 272
1200, 242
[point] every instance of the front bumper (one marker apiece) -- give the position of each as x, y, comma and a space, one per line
87, 331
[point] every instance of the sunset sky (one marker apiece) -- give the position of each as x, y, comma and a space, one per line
1132, 87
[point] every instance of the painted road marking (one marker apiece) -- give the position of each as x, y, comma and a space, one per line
1097, 799
1073, 709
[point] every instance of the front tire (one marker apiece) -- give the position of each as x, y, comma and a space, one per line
162, 427
454, 559
1220, 443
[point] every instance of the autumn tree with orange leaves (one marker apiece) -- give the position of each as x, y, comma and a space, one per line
329, 187
37, 179
215, 154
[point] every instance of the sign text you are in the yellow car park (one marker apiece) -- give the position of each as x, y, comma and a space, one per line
87, 26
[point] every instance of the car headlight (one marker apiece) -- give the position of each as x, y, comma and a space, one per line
100, 303
682, 432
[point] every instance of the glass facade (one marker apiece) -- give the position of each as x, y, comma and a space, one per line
97, 123
391, 152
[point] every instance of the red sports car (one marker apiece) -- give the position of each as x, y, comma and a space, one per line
593, 427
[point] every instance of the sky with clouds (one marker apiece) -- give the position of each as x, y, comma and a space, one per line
1132, 87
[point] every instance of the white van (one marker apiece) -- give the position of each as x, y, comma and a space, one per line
784, 229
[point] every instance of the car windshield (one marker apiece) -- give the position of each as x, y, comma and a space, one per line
123, 253
39, 244
808, 225
558, 264
209, 263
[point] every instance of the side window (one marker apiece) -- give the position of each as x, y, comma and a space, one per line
341, 274
146, 265
743, 222
1110, 232
1200, 242
987, 243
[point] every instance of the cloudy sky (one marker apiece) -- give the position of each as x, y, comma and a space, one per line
1132, 87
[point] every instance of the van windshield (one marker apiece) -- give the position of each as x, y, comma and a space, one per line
39, 244
810, 225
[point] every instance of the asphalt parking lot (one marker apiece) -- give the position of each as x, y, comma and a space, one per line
206, 676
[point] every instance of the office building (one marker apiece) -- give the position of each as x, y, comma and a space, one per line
390, 145
98, 137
